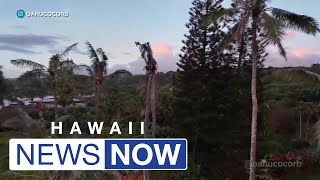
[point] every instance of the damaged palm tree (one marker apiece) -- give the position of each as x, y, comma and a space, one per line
151, 70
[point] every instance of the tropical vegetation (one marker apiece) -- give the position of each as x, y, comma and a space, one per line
230, 107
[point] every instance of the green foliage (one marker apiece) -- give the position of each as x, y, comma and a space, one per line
3, 88
207, 100
212, 103
192, 173
274, 145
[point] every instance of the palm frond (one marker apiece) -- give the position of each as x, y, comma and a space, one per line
293, 74
227, 38
316, 134
102, 66
272, 28
92, 53
83, 67
295, 21
66, 52
218, 14
27, 64
142, 51
86, 68
241, 27
273, 31
67, 64
54, 63
282, 51
102, 54
36, 73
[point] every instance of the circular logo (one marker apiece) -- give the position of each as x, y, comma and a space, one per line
21, 13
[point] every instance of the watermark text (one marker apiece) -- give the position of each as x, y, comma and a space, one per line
270, 164
22, 14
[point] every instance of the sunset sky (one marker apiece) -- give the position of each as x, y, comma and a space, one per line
115, 26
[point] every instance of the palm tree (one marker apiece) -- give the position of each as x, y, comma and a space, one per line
57, 65
301, 74
151, 70
97, 71
272, 22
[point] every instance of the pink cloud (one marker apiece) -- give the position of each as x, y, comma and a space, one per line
290, 35
298, 52
164, 54
162, 49
298, 56
302, 52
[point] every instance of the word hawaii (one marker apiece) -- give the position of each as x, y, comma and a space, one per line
93, 127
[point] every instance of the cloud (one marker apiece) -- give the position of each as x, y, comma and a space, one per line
16, 49
24, 43
22, 27
135, 67
290, 35
78, 51
298, 56
163, 54
162, 50
127, 53
110, 55
302, 52
74, 50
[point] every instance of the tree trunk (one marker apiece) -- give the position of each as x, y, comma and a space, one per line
300, 124
254, 100
196, 137
146, 175
240, 55
147, 109
147, 117
119, 114
153, 104
98, 112
56, 116
307, 127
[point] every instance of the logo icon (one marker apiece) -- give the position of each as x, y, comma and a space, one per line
21, 13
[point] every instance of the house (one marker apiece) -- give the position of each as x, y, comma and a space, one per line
82, 101
46, 102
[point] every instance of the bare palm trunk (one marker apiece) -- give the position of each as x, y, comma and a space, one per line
146, 175
119, 114
147, 116
300, 124
153, 104
254, 100
307, 127
147, 109
98, 93
56, 116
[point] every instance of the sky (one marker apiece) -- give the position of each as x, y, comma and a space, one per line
114, 26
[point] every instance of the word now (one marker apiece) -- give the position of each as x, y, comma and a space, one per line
98, 154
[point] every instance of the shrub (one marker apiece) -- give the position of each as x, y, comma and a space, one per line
306, 158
